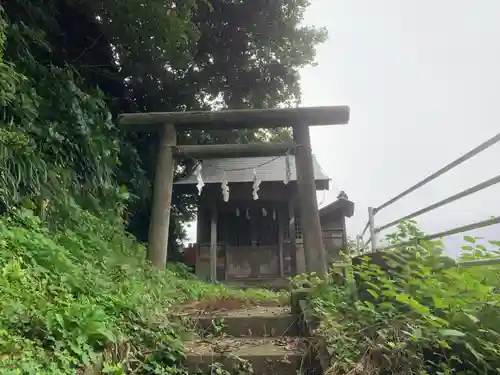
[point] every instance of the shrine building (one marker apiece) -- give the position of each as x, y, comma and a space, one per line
248, 212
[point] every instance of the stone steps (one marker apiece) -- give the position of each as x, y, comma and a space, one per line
267, 356
266, 338
271, 284
256, 322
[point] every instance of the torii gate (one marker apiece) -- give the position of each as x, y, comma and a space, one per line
167, 123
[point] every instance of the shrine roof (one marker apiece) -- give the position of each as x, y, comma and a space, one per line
268, 169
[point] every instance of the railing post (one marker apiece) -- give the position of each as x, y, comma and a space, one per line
373, 235
359, 244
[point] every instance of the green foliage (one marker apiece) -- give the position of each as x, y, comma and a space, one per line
153, 56
73, 283
305, 280
56, 136
83, 289
417, 312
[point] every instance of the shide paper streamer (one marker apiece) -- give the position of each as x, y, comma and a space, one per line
199, 178
256, 184
225, 188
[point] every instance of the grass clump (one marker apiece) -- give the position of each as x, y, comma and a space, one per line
414, 312
71, 293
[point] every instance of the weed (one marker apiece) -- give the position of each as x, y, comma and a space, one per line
417, 312
83, 293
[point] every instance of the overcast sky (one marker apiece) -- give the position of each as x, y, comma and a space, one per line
422, 79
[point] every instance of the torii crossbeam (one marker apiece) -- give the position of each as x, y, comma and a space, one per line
167, 123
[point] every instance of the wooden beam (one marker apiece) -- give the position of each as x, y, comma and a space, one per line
308, 204
281, 226
291, 230
345, 240
213, 244
236, 118
199, 223
162, 199
235, 150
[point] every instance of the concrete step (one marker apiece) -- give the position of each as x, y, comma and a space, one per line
272, 284
259, 321
267, 356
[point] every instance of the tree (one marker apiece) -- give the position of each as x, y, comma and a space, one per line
162, 55
248, 55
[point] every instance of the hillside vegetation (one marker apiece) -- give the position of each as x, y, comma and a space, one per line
69, 294
75, 191
419, 314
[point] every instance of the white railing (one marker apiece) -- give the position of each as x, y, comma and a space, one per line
373, 230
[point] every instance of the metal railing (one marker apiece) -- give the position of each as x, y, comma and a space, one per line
374, 230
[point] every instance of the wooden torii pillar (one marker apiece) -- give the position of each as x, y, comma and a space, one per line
167, 123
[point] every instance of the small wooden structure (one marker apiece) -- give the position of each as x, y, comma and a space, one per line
258, 241
333, 226
167, 124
